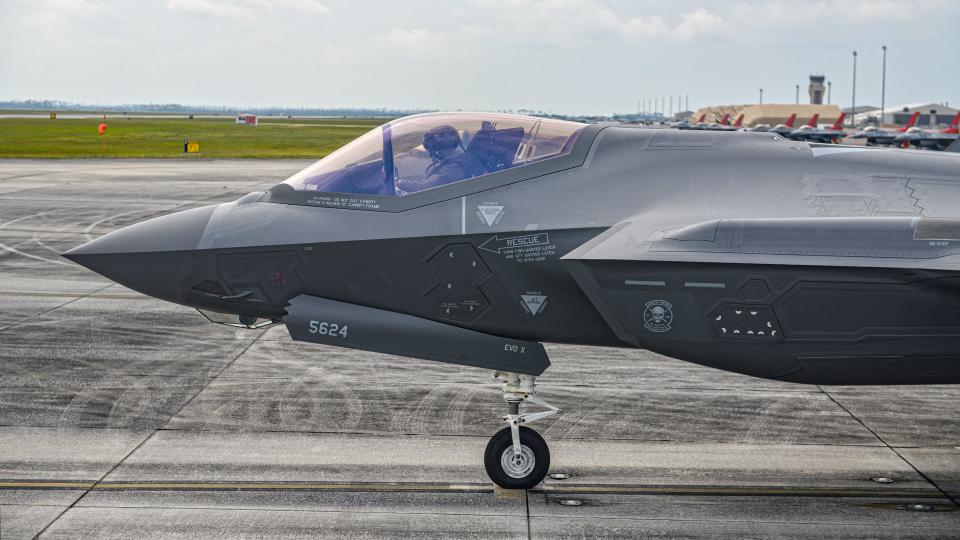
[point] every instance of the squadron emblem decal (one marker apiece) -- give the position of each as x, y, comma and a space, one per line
657, 316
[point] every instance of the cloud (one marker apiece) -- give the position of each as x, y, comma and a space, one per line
571, 22
418, 42
212, 8
312, 6
788, 14
698, 23
567, 22
246, 10
65, 12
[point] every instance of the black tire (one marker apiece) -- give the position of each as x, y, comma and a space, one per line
503, 442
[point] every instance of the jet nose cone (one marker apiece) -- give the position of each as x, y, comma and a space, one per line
152, 257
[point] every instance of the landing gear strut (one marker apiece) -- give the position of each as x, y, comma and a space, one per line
517, 457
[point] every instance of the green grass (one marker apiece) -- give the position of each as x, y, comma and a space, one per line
163, 137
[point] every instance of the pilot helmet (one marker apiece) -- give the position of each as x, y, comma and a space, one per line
437, 140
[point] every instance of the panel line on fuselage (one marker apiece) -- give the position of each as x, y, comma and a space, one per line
702, 285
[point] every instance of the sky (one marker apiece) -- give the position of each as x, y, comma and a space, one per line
558, 56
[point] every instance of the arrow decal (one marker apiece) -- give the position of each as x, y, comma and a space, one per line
494, 244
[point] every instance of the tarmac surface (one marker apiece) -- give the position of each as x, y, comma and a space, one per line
123, 416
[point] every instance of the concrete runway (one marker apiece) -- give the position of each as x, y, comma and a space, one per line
123, 416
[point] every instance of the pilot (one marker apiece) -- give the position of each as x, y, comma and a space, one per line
448, 162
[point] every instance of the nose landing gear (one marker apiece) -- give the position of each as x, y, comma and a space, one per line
517, 457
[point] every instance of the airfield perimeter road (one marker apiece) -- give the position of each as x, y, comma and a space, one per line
124, 416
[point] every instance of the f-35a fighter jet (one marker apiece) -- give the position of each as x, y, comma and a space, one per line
473, 238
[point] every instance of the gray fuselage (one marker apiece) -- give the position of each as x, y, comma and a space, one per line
527, 255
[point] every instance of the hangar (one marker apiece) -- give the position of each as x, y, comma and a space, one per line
932, 115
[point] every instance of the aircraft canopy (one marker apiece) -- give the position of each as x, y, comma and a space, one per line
426, 151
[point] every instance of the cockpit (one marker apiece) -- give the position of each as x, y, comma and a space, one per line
427, 151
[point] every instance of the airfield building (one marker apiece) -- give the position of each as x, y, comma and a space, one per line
932, 115
816, 89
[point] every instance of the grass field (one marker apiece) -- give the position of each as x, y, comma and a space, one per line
163, 137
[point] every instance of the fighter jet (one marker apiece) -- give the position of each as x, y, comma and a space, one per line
724, 124
881, 137
472, 238
812, 133
810, 125
785, 129
934, 140
699, 124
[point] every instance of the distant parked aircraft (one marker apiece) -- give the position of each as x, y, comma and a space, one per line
882, 137
811, 124
724, 124
699, 124
828, 135
934, 140
784, 130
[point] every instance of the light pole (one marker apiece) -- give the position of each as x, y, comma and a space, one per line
761, 96
671, 105
883, 89
829, 88
798, 93
853, 99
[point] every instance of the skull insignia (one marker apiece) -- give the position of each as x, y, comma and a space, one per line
657, 316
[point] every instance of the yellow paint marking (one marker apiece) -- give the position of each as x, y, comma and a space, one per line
411, 487
49, 485
508, 494
738, 491
291, 486
132, 296
247, 486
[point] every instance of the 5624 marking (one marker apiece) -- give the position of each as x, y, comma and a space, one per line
324, 328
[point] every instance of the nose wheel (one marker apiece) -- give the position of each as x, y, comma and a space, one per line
517, 471
517, 457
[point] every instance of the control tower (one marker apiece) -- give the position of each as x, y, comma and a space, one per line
816, 89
